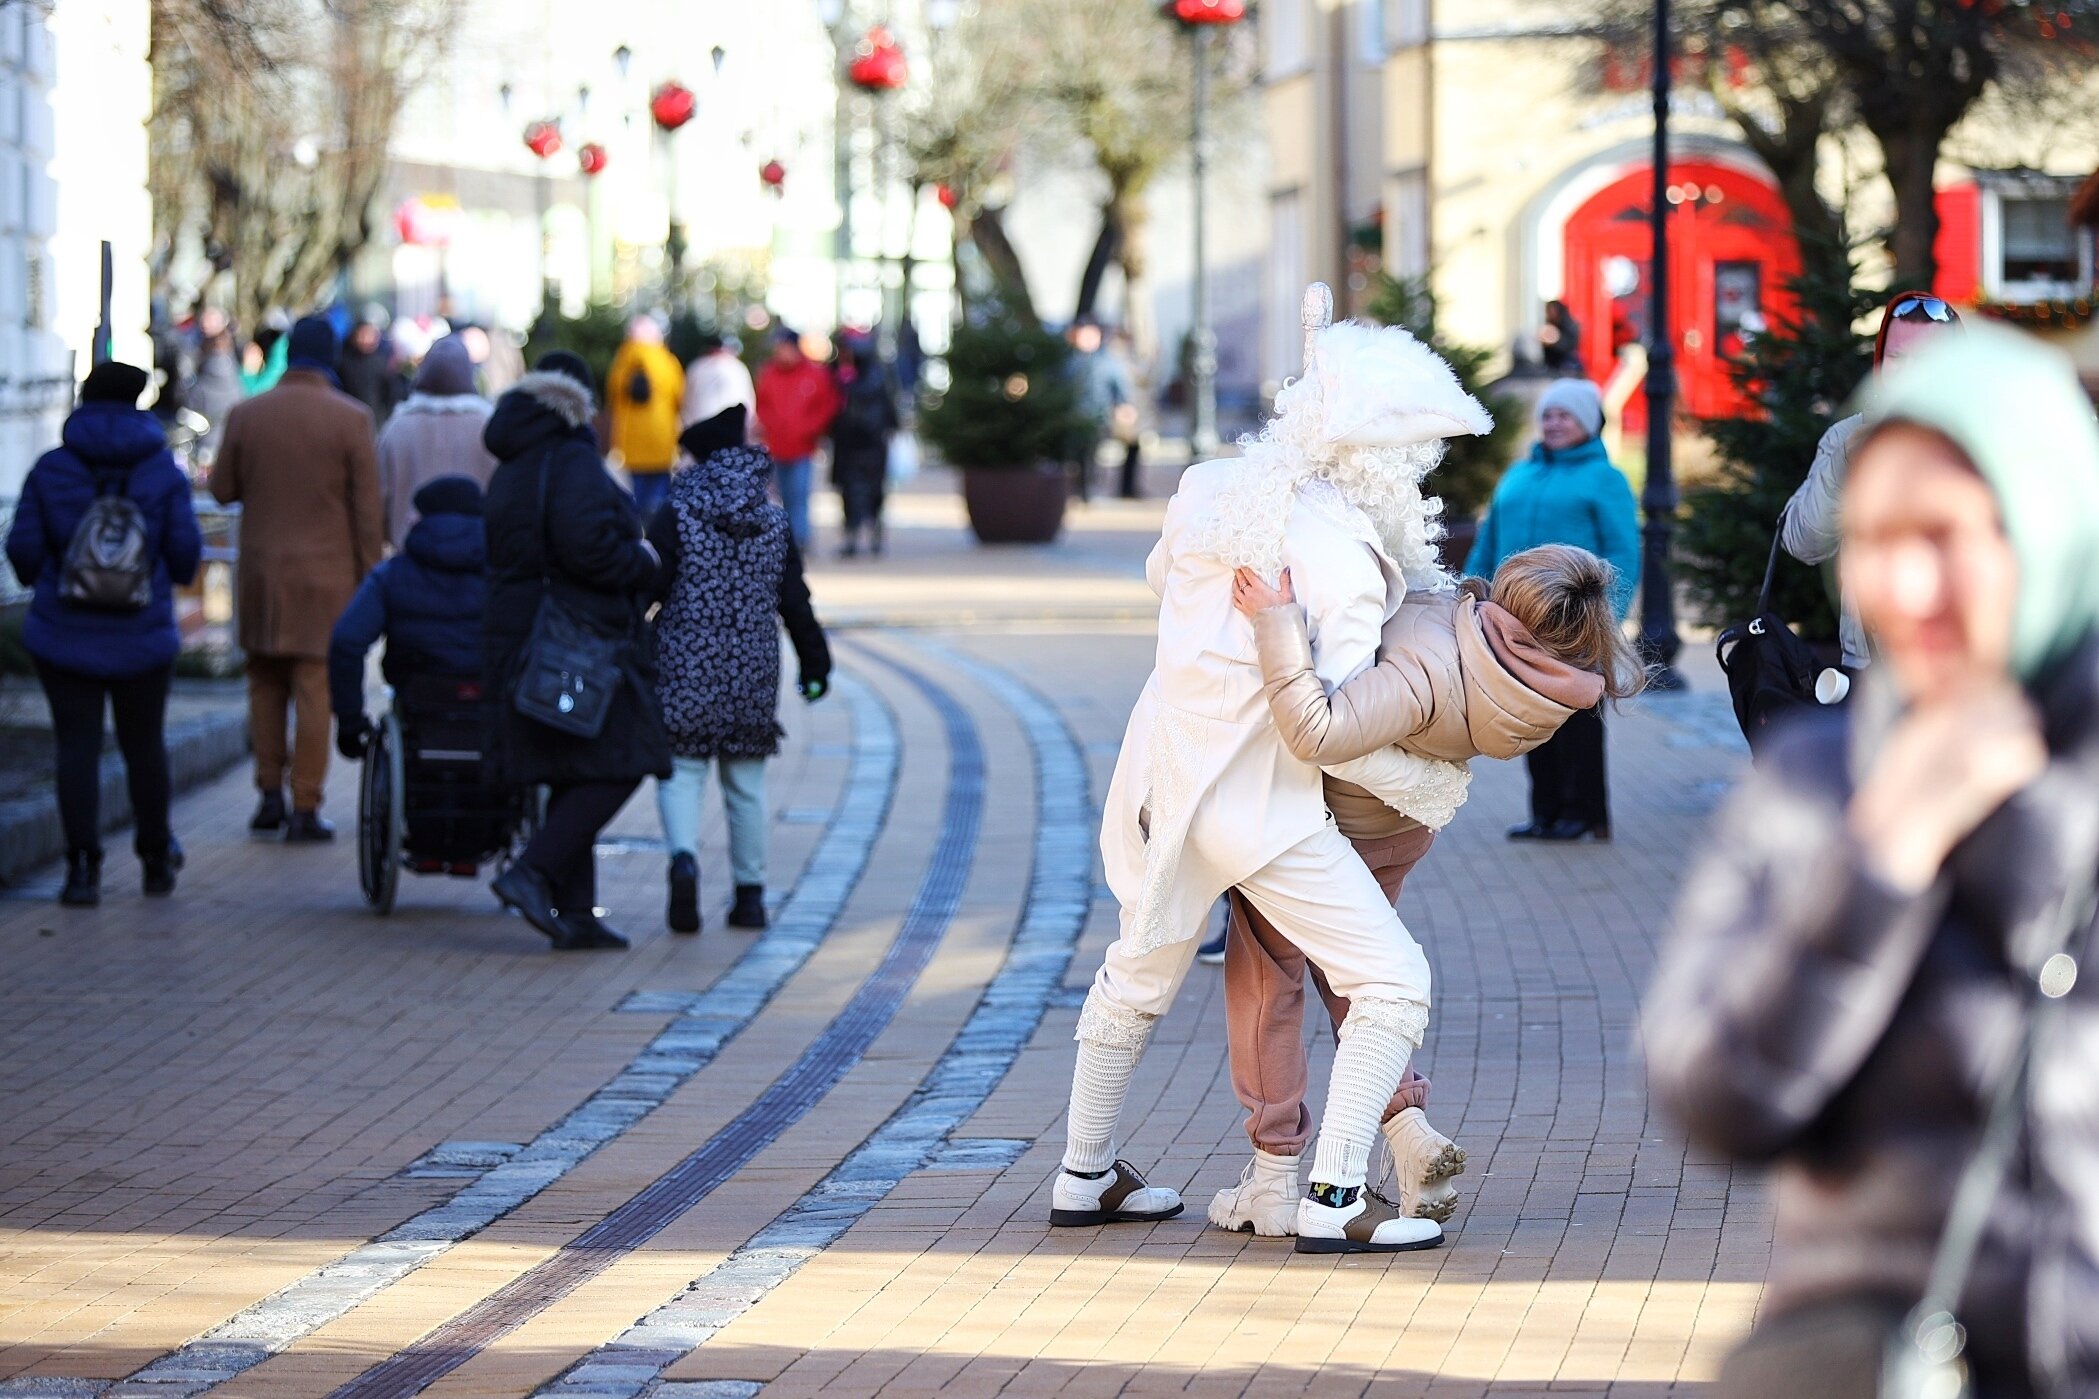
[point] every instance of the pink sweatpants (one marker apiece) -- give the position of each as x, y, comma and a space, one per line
1264, 996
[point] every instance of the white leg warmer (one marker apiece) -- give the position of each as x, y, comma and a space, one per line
1111, 1040
1378, 1039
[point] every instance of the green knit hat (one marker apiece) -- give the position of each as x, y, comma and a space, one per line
2015, 407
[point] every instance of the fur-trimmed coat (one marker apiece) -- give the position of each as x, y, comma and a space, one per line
586, 537
429, 436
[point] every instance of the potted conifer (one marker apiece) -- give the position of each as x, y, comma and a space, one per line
1009, 421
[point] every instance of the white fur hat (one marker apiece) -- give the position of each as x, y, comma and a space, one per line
1380, 387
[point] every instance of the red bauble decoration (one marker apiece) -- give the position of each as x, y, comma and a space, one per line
1206, 11
543, 138
673, 105
947, 196
879, 66
593, 159
773, 173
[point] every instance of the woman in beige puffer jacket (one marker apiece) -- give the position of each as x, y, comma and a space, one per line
1468, 672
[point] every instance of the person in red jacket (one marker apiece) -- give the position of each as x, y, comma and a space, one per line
797, 399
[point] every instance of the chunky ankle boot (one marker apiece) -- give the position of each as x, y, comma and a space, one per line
160, 867
1264, 1202
749, 908
683, 915
1425, 1161
83, 887
269, 814
308, 828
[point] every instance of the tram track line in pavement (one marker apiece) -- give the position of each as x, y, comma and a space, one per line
815, 1072
706, 1022
1059, 897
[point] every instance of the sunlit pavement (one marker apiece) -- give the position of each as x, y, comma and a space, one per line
257, 1141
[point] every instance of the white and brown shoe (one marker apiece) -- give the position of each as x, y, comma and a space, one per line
1118, 1196
1424, 1160
1372, 1224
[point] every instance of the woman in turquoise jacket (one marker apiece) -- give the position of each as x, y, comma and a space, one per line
1566, 492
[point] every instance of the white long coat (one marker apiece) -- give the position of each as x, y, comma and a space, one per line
1205, 793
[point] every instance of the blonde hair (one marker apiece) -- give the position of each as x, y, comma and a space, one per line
1563, 595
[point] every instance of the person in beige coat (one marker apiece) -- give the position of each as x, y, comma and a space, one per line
1461, 673
436, 433
299, 461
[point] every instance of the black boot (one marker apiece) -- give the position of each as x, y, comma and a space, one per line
160, 868
589, 933
749, 909
308, 828
269, 814
83, 888
523, 888
684, 913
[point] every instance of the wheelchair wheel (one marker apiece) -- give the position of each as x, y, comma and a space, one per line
381, 814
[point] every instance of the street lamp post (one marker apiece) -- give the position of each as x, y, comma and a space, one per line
1199, 17
835, 15
1659, 643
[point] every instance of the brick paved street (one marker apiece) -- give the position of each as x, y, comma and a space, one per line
258, 1142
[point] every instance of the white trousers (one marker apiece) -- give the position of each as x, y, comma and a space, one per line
1321, 896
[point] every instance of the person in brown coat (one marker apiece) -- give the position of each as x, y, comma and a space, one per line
301, 463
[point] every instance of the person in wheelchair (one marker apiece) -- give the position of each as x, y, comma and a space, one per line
425, 602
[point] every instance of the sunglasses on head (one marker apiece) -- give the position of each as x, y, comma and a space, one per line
1915, 304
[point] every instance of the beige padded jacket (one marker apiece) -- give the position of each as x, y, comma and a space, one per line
1456, 678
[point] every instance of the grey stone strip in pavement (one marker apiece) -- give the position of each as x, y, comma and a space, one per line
706, 1022
1060, 890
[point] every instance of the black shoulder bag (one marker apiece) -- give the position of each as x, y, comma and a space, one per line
1924, 1358
1770, 672
570, 668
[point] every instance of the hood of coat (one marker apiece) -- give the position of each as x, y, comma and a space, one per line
727, 490
538, 407
1517, 694
111, 435
448, 543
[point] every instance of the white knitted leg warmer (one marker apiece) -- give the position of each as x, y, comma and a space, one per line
1111, 1040
1378, 1039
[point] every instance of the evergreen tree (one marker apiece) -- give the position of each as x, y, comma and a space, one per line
1010, 401
1800, 373
1472, 466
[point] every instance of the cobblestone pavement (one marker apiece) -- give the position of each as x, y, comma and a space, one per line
259, 1142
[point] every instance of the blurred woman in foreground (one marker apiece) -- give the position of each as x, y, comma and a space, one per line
1854, 957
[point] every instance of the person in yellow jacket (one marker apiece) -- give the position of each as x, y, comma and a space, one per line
644, 392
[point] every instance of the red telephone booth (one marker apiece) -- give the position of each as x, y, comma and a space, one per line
1731, 254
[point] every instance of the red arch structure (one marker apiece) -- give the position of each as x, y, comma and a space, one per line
1731, 254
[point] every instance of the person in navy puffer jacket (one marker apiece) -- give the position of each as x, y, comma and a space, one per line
87, 658
426, 601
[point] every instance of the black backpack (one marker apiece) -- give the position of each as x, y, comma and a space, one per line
1771, 672
639, 389
109, 562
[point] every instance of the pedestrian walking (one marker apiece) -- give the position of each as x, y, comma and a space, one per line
435, 434
716, 379
103, 532
1861, 972
1104, 395
1812, 524
300, 462
1126, 425
1560, 339
1566, 492
366, 366
562, 533
645, 392
797, 399
215, 390
867, 419
731, 576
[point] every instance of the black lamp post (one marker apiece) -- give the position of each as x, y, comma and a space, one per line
1659, 643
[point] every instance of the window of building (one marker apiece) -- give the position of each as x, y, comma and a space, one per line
1286, 285
1408, 23
2029, 250
1284, 33
1408, 246
1370, 31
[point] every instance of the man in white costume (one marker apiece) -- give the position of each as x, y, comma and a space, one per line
1206, 796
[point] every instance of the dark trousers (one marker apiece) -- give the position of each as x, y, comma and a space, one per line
1567, 777
139, 704
863, 482
1133, 470
562, 847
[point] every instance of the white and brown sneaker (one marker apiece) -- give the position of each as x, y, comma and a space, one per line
1372, 1224
1118, 1196
1424, 1160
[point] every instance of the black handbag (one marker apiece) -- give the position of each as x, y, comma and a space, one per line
571, 669
1771, 673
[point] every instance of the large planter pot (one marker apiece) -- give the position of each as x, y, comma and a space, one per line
1015, 505
1456, 545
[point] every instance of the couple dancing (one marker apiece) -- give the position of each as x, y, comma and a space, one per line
1304, 763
